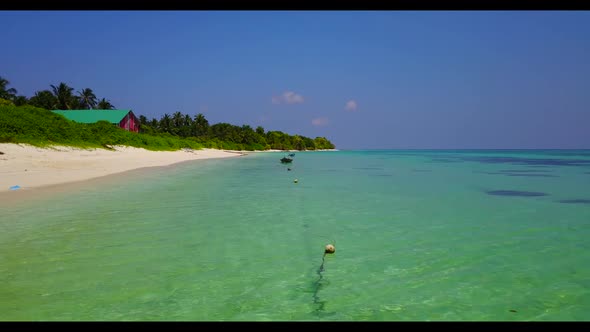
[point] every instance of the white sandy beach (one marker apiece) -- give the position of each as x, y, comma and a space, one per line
28, 166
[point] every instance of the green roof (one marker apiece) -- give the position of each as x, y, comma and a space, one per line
92, 116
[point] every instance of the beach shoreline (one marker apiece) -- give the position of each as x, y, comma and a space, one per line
24, 166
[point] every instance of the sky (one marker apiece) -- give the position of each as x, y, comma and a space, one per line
362, 79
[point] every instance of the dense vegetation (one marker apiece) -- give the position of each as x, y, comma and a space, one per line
37, 126
28, 120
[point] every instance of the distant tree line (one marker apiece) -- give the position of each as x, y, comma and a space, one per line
59, 97
197, 128
237, 137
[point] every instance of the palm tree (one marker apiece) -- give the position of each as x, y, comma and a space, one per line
200, 125
20, 100
177, 120
104, 104
187, 123
165, 123
7, 94
44, 99
247, 134
154, 123
65, 99
87, 98
143, 120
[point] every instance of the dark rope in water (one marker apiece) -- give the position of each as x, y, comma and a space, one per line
321, 269
318, 285
320, 282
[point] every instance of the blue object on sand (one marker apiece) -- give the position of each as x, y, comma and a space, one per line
14, 187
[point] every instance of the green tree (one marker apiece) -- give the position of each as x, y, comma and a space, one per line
323, 143
187, 124
154, 124
247, 134
5, 92
226, 132
309, 143
104, 104
20, 100
65, 99
165, 123
275, 139
298, 143
143, 120
177, 121
200, 126
44, 99
87, 98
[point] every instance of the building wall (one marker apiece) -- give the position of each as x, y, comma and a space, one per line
130, 122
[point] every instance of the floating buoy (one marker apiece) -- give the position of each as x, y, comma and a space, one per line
295, 181
330, 249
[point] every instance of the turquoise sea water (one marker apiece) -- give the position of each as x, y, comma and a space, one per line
419, 235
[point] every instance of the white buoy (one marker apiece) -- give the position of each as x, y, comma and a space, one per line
330, 249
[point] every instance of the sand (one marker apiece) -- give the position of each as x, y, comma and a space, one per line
30, 167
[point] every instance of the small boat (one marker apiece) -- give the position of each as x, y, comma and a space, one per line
286, 160
291, 155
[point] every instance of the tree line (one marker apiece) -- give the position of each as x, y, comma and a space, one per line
235, 137
59, 97
195, 128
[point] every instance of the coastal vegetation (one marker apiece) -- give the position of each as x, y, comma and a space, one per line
30, 120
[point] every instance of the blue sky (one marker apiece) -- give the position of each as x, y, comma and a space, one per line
363, 79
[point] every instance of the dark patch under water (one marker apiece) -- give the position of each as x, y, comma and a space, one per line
575, 201
523, 170
442, 160
331, 170
531, 175
532, 162
522, 174
515, 193
529, 161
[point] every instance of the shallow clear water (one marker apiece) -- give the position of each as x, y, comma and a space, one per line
419, 235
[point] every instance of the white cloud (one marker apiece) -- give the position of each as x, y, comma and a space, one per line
319, 121
351, 106
288, 97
